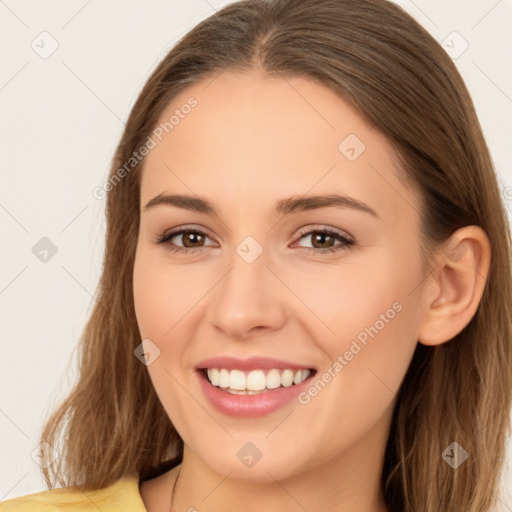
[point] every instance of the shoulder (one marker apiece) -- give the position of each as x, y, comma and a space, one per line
121, 496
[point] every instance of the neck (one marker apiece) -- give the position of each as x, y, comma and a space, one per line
347, 482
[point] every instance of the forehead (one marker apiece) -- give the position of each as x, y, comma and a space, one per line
250, 136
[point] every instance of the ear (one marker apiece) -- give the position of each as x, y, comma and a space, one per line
454, 290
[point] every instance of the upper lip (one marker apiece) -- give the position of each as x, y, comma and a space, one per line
252, 363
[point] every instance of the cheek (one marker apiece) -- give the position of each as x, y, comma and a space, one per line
150, 299
367, 358
373, 318
159, 306
162, 295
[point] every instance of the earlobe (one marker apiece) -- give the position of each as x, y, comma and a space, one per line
454, 291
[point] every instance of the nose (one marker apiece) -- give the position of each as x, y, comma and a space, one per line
249, 299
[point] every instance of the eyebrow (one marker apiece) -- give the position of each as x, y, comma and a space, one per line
283, 206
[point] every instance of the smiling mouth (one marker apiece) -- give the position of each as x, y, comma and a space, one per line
255, 382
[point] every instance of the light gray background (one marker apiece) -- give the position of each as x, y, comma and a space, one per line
61, 119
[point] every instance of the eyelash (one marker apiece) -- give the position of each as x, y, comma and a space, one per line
346, 242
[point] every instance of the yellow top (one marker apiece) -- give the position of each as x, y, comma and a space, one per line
121, 496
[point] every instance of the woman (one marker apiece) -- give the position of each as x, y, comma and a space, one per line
306, 293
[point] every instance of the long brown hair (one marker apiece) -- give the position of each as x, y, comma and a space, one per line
387, 66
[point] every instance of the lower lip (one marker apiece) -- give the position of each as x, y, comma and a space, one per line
250, 406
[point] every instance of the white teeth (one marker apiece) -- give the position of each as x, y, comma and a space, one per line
256, 381
213, 375
297, 378
287, 378
237, 380
223, 379
273, 379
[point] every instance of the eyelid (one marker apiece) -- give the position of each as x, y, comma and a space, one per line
185, 227
302, 231
325, 227
346, 242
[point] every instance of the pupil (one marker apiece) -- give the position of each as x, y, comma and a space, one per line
191, 235
320, 236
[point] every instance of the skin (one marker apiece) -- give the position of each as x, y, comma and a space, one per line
249, 142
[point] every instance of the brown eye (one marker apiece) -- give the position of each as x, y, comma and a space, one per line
323, 240
191, 239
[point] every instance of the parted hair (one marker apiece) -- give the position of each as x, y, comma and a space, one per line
377, 58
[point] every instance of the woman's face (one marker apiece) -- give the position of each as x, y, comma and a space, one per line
259, 281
